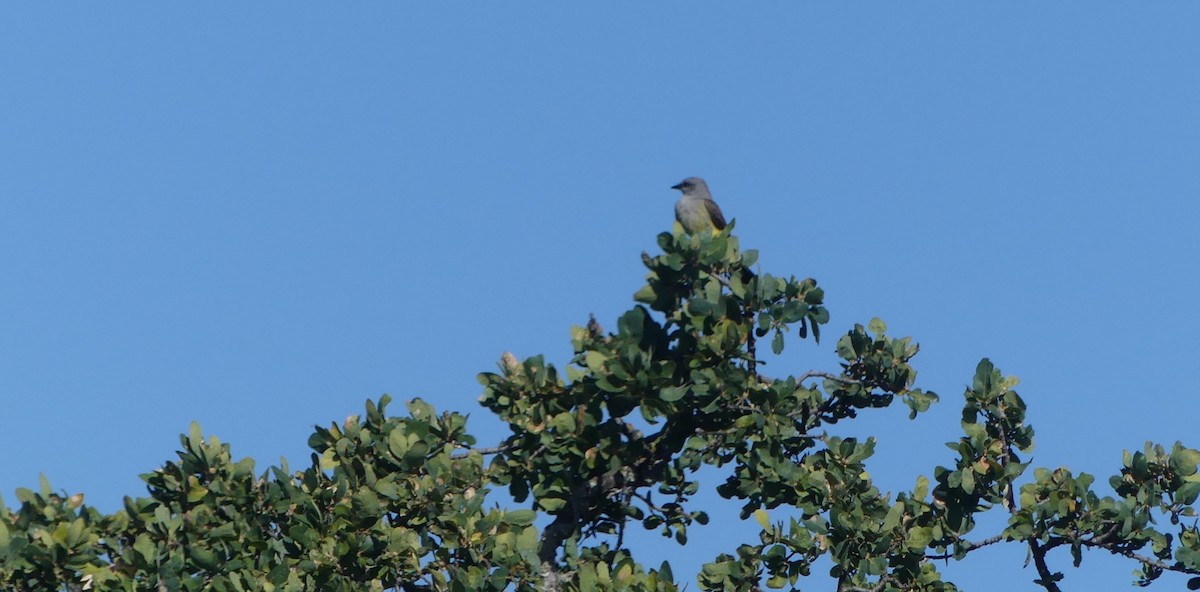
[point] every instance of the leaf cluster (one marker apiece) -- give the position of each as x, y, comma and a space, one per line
618, 440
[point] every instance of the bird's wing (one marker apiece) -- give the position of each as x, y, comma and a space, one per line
714, 214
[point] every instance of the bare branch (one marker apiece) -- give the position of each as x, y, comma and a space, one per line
1150, 561
493, 450
970, 546
827, 376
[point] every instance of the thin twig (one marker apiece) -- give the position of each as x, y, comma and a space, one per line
493, 450
970, 546
1140, 558
826, 375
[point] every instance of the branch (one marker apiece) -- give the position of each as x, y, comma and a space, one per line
649, 504
567, 523
1112, 548
556, 532
493, 450
969, 547
878, 587
579, 509
1046, 579
630, 432
827, 376
1108, 534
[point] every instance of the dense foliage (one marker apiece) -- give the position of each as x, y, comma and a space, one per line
402, 502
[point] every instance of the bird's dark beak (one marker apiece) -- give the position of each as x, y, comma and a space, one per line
678, 186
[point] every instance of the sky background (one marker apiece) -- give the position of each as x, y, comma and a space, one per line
256, 216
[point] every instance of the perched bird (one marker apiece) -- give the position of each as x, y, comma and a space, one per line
593, 326
696, 210
509, 363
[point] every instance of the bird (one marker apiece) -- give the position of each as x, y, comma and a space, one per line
696, 210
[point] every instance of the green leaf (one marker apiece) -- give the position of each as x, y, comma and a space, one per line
763, 518
145, 547
196, 493
664, 572
672, 393
574, 374
1188, 493
204, 558
777, 342
845, 348
793, 311
894, 515
968, 481
417, 453
919, 538
419, 409
1184, 461
983, 381
520, 517
595, 361
921, 491
632, 324
564, 422
195, 438
398, 442
646, 295
75, 532
816, 296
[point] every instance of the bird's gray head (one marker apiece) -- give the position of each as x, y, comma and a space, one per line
692, 186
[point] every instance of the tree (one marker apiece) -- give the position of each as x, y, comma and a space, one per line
400, 502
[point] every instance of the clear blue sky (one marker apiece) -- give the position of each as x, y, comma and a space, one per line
258, 215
